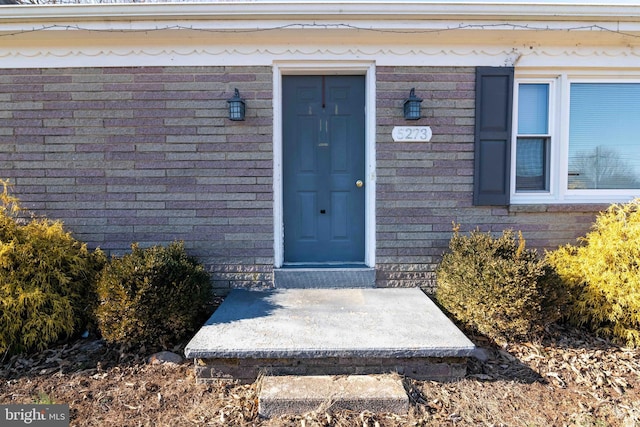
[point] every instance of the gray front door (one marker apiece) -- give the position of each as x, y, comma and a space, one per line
323, 169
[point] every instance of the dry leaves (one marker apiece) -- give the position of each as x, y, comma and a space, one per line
583, 360
568, 379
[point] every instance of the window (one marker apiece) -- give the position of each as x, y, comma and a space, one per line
604, 136
575, 140
532, 141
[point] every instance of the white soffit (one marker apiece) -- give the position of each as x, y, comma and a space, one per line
540, 33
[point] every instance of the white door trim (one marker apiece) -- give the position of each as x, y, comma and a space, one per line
368, 69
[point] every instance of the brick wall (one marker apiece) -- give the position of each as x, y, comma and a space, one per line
422, 188
146, 155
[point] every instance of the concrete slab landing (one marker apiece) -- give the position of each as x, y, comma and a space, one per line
333, 330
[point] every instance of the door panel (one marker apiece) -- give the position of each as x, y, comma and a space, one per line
306, 206
307, 135
323, 149
340, 207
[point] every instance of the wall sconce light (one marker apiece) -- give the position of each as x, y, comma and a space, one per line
236, 107
412, 106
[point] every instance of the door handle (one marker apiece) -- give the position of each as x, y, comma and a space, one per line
359, 183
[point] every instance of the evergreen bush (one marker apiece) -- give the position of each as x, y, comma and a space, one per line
603, 274
498, 287
153, 297
46, 280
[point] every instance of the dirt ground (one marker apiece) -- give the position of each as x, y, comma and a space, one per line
570, 378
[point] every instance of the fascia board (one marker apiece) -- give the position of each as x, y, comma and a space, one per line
540, 10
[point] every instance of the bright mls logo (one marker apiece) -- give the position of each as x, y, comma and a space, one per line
34, 415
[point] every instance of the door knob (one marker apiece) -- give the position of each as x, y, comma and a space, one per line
359, 183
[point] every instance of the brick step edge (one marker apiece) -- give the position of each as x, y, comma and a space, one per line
247, 370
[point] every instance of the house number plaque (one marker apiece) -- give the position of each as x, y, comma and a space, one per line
411, 134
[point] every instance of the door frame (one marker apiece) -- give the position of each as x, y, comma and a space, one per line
366, 69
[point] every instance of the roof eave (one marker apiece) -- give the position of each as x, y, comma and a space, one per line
316, 10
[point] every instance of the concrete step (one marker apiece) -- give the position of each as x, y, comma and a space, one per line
324, 277
296, 395
329, 332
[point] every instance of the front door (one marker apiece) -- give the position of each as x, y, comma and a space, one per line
323, 169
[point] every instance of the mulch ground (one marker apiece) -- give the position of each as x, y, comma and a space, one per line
570, 378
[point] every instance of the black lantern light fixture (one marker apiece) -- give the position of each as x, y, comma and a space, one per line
412, 106
236, 107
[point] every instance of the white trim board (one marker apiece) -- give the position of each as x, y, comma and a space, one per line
75, 55
613, 10
361, 68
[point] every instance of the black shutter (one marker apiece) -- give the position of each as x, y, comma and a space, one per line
494, 101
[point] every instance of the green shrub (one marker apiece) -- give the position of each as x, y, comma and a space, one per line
497, 286
46, 280
152, 297
603, 275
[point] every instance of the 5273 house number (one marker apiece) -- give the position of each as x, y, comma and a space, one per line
411, 134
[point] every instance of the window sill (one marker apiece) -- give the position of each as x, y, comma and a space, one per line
558, 207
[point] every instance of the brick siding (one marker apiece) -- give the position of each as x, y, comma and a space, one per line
147, 155
423, 188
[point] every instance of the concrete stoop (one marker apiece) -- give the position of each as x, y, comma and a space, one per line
295, 395
351, 331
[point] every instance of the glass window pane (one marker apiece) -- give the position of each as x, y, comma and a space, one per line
532, 164
533, 109
604, 136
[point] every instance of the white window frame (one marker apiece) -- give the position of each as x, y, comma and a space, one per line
559, 111
532, 195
